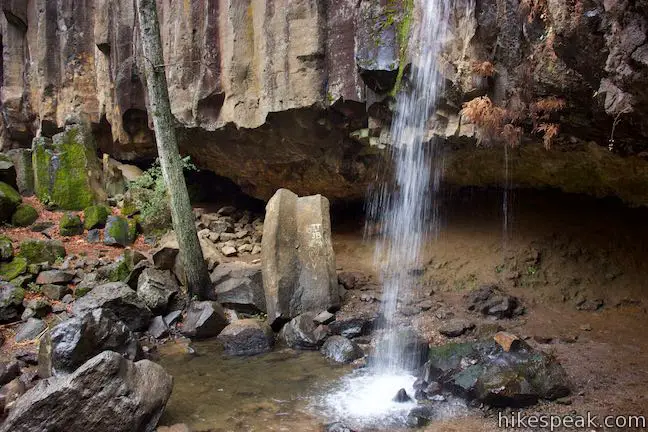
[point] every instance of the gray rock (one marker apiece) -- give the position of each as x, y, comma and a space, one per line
490, 300
325, 317
456, 327
156, 288
30, 330
402, 396
55, 292
172, 317
229, 251
117, 232
302, 333
297, 258
54, 277
27, 313
239, 286
40, 306
94, 236
247, 337
6, 248
11, 299
121, 300
204, 320
8, 371
158, 328
351, 327
341, 349
75, 341
107, 394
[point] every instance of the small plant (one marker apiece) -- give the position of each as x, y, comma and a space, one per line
149, 195
499, 268
532, 270
541, 111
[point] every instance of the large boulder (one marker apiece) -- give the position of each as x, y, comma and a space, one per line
75, 341
239, 286
247, 337
11, 299
70, 225
95, 216
118, 298
67, 173
40, 251
298, 261
302, 333
9, 201
204, 319
106, 394
156, 288
24, 216
485, 371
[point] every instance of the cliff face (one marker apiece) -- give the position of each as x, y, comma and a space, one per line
269, 92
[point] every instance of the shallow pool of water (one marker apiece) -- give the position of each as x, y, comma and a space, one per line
270, 392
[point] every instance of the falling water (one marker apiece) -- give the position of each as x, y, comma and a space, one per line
404, 209
403, 206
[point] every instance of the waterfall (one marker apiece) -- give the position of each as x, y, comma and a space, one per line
405, 207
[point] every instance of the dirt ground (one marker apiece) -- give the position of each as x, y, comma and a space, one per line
578, 265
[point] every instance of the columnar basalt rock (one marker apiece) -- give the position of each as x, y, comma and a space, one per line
269, 93
298, 262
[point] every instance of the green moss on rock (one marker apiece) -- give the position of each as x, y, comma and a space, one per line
66, 169
11, 270
6, 248
70, 225
9, 201
117, 232
38, 251
24, 216
95, 216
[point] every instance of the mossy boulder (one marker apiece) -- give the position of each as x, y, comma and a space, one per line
117, 232
11, 270
70, 225
6, 248
10, 199
24, 216
95, 216
67, 173
39, 251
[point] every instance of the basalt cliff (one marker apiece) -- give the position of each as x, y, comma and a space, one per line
299, 93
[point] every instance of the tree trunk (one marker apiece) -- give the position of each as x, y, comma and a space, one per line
198, 281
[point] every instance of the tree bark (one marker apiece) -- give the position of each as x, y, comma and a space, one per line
198, 281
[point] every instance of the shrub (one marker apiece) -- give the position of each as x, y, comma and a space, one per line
148, 194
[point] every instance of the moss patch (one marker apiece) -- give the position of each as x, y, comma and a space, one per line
24, 216
95, 216
11, 270
38, 251
9, 201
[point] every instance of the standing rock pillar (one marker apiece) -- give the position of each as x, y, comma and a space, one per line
298, 262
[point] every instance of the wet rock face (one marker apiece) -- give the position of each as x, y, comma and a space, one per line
247, 337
